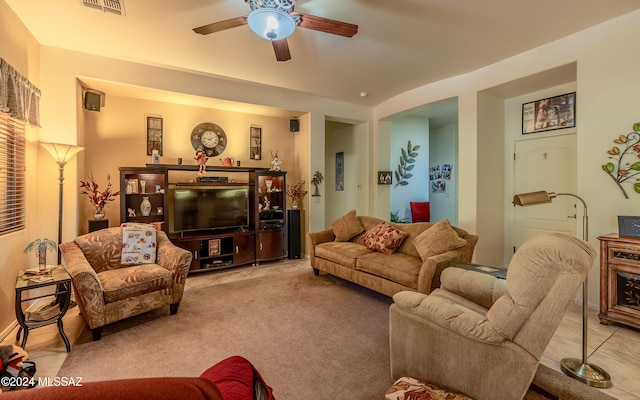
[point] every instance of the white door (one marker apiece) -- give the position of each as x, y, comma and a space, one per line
547, 164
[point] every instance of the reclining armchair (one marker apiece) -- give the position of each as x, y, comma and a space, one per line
484, 336
108, 290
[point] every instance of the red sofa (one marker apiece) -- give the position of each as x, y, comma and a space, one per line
234, 378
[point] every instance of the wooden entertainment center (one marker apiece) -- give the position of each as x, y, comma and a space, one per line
148, 195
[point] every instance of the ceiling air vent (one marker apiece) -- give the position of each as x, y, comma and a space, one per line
112, 6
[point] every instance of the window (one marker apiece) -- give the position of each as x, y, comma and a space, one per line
12, 174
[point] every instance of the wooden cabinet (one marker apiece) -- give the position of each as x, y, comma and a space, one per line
218, 251
619, 280
270, 245
142, 195
270, 214
263, 238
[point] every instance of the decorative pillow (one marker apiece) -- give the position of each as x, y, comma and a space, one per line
384, 238
411, 388
347, 226
138, 244
437, 239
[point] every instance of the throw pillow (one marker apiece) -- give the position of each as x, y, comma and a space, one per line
437, 239
384, 238
411, 388
347, 227
138, 244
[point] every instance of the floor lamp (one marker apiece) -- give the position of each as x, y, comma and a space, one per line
587, 373
62, 153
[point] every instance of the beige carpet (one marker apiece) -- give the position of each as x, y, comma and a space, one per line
311, 338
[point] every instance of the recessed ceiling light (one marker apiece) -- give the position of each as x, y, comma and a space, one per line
364, 94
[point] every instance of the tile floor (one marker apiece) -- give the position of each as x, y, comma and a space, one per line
615, 348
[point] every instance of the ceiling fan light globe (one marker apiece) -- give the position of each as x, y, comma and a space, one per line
271, 23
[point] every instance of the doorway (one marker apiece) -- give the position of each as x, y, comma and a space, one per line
547, 164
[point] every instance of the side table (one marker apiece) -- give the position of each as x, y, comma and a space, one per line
59, 280
96, 225
499, 273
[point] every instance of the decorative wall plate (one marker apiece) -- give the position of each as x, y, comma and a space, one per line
210, 136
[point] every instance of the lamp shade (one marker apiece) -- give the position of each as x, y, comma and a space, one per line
271, 23
533, 198
61, 152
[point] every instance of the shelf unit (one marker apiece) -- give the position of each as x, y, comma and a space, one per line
619, 280
264, 240
270, 214
133, 192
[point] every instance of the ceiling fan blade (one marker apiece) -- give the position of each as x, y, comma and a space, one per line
327, 25
221, 26
281, 48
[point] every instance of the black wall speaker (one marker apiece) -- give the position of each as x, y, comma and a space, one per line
92, 101
294, 125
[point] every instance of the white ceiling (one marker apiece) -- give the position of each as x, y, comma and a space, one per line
400, 45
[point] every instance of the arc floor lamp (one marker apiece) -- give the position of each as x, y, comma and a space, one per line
61, 153
581, 370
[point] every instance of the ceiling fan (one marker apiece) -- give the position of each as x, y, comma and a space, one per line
275, 20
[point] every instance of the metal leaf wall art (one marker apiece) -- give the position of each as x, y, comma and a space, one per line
625, 160
407, 161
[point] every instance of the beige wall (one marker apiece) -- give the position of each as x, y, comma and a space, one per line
116, 137
21, 51
606, 106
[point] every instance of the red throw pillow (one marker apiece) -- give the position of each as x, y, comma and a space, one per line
384, 238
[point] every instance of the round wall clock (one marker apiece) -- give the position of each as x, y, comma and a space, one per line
210, 137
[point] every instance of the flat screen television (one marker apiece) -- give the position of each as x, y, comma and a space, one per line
207, 207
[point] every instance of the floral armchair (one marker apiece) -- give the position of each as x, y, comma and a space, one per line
108, 290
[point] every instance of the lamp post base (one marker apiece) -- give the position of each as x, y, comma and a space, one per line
590, 374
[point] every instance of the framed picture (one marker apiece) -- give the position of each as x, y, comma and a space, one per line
557, 112
255, 142
154, 135
340, 171
214, 247
384, 178
131, 186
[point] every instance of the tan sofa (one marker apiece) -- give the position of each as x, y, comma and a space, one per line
408, 268
107, 291
490, 332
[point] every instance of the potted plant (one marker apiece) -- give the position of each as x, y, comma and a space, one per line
98, 198
316, 180
40, 247
296, 192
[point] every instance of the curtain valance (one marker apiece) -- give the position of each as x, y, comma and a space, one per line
18, 96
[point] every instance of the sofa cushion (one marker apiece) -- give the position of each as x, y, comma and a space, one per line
396, 267
347, 226
102, 248
138, 244
438, 239
343, 253
123, 283
384, 238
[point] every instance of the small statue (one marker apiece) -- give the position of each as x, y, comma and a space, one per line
275, 162
201, 159
267, 203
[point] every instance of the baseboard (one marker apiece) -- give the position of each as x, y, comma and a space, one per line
8, 330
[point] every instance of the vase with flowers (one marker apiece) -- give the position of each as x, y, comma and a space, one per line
296, 192
99, 198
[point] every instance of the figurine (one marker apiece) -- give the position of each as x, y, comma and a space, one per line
275, 162
267, 203
201, 159
131, 212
